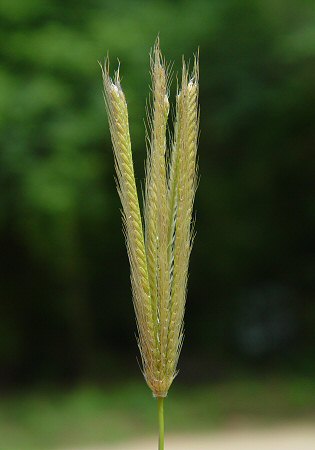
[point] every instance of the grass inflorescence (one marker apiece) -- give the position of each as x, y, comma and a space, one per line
158, 246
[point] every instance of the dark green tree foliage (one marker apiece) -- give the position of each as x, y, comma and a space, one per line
61, 293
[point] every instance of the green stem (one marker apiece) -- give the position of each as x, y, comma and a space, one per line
161, 422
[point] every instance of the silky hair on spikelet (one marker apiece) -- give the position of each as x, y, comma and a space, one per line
159, 246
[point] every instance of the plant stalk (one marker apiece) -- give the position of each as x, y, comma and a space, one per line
161, 422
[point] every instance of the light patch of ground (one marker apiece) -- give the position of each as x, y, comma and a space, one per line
295, 437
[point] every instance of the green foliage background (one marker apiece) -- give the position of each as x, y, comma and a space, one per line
66, 306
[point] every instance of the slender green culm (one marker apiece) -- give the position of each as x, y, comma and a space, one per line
159, 246
161, 422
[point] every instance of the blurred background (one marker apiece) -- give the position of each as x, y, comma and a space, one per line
69, 375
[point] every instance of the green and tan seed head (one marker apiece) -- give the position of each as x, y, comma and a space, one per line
159, 248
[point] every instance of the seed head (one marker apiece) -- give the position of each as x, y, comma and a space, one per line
159, 249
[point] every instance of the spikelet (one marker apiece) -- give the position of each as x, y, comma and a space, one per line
182, 189
159, 257
156, 220
119, 128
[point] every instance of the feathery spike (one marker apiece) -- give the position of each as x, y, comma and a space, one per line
159, 258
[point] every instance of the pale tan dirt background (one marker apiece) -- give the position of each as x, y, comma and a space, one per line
285, 437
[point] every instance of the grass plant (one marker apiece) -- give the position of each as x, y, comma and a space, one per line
158, 245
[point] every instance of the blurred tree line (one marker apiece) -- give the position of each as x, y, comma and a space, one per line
66, 306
